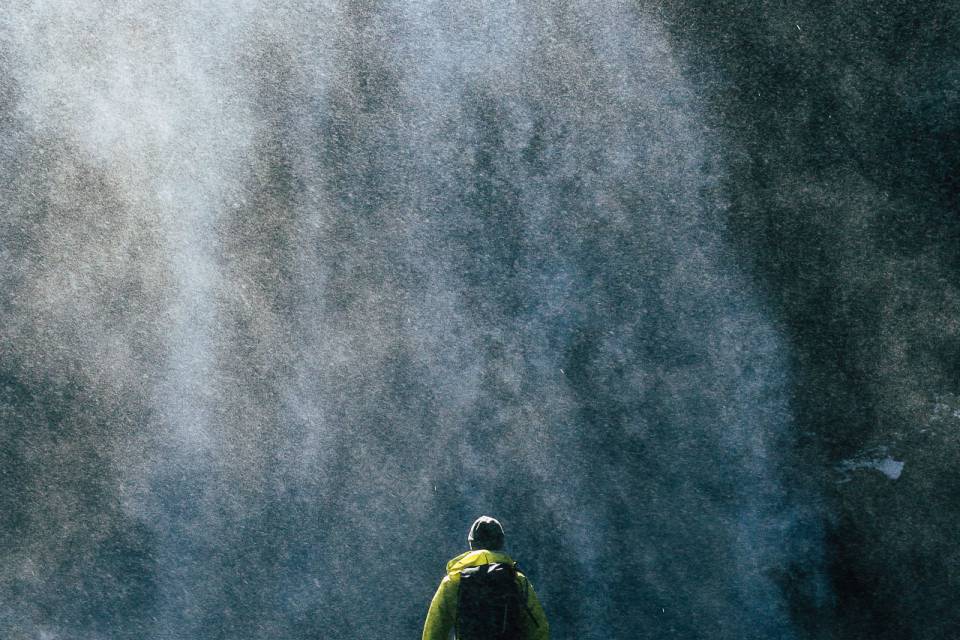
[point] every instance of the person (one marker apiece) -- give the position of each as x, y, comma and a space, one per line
486, 552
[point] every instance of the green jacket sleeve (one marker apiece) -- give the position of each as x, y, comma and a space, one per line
443, 612
536, 626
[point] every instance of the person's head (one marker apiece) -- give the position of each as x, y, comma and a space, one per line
485, 533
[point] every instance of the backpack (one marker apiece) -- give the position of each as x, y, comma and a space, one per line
489, 603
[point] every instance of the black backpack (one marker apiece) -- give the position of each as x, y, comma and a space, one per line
490, 603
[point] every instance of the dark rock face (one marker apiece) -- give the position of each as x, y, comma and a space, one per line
844, 202
289, 295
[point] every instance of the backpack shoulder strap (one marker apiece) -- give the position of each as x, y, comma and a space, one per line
526, 595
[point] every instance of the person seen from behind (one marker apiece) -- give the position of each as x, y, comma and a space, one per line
484, 596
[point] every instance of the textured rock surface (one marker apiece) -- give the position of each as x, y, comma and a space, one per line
290, 293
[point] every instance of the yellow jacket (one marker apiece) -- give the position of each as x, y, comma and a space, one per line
443, 609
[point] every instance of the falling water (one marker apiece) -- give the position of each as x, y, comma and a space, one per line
294, 292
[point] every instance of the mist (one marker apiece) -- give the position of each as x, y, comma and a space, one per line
292, 292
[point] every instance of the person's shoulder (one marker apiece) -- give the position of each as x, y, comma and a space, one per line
522, 577
458, 562
450, 578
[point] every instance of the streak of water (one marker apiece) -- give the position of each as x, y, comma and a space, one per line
397, 264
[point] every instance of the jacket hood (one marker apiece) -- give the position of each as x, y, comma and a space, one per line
476, 558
